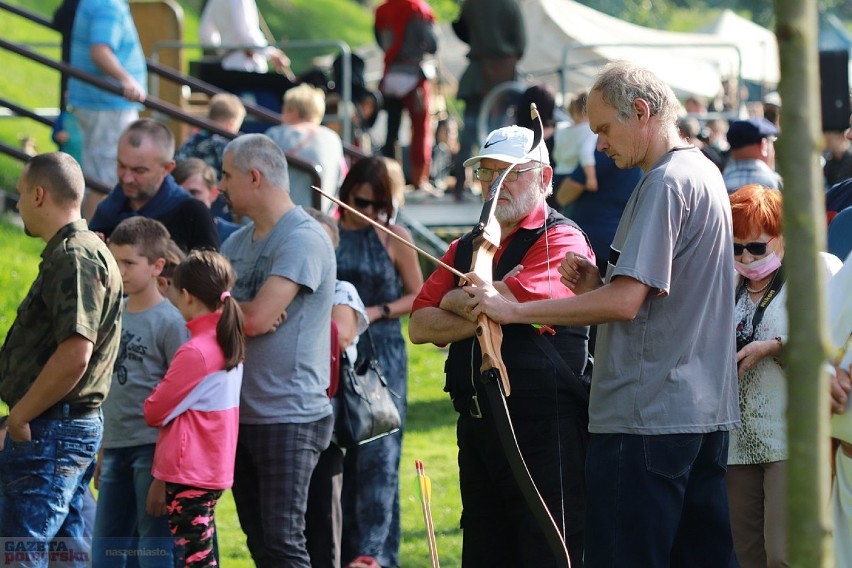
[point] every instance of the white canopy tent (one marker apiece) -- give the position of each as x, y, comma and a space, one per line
757, 44
566, 35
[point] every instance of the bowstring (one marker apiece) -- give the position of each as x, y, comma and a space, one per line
546, 212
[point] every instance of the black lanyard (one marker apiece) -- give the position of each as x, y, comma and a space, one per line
774, 288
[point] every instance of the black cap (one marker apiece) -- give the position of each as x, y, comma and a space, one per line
752, 131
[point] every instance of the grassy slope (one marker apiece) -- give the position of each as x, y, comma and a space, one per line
28, 84
32, 85
20, 257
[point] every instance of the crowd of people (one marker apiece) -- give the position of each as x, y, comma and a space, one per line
184, 332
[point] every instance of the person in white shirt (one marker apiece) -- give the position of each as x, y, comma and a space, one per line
237, 23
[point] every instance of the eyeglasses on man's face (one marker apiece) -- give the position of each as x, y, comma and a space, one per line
488, 174
755, 249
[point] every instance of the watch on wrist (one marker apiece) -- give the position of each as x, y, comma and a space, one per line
385, 310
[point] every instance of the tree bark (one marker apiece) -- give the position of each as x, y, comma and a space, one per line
808, 470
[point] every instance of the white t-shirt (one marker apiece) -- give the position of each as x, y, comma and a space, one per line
573, 146
235, 23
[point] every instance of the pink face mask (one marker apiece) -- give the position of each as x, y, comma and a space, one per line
759, 269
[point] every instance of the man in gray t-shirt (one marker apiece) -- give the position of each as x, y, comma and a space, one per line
664, 390
286, 272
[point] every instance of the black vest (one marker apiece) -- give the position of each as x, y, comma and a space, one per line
534, 376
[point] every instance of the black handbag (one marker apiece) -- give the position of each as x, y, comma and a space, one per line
365, 405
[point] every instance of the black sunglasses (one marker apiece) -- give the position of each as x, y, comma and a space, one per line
362, 203
756, 249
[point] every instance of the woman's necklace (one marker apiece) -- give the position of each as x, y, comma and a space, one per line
750, 291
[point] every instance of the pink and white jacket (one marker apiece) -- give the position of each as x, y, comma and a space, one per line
197, 408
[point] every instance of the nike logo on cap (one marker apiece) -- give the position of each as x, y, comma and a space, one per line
495, 140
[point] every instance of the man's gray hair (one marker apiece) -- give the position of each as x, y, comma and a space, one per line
259, 152
622, 82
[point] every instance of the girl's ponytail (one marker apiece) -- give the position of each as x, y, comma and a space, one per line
209, 276
230, 332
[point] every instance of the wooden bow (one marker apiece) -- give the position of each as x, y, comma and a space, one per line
489, 334
493, 373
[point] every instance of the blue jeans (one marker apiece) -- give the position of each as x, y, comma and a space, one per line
43, 482
125, 480
658, 501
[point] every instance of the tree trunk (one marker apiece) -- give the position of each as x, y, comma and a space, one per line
808, 481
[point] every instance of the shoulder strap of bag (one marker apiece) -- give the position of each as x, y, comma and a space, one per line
774, 288
334, 380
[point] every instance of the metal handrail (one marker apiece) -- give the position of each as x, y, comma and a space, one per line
152, 103
425, 235
346, 78
32, 16
26, 113
174, 75
160, 69
113, 87
18, 154
198, 85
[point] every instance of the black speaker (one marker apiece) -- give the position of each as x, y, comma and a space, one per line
834, 90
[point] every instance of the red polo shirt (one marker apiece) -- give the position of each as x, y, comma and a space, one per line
535, 282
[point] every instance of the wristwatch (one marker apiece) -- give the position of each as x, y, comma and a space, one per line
385, 310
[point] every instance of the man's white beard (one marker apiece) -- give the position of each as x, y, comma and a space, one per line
518, 208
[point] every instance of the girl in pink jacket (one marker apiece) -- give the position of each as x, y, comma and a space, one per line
196, 405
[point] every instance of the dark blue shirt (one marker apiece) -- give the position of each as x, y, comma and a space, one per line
188, 220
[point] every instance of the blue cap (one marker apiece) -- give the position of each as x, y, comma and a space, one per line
752, 131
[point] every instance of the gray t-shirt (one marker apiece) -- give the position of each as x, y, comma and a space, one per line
286, 372
149, 340
672, 369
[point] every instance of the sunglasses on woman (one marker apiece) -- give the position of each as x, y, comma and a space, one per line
361, 203
755, 249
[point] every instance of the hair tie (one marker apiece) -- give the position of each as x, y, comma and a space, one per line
223, 295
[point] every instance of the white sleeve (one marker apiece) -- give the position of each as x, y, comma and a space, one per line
245, 22
345, 294
208, 32
587, 148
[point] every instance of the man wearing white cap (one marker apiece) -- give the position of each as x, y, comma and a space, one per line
548, 402
664, 391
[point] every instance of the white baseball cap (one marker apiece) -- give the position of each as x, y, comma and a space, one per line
509, 144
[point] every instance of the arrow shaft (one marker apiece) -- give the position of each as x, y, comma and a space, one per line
390, 233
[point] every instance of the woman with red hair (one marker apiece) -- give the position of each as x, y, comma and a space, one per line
756, 476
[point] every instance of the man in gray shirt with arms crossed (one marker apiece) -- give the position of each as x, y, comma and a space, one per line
664, 387
284, 262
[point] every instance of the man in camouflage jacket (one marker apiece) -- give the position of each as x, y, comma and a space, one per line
55, 367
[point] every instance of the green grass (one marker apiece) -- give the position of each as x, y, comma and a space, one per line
20, 257
26, 83
429, 437
32, 85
